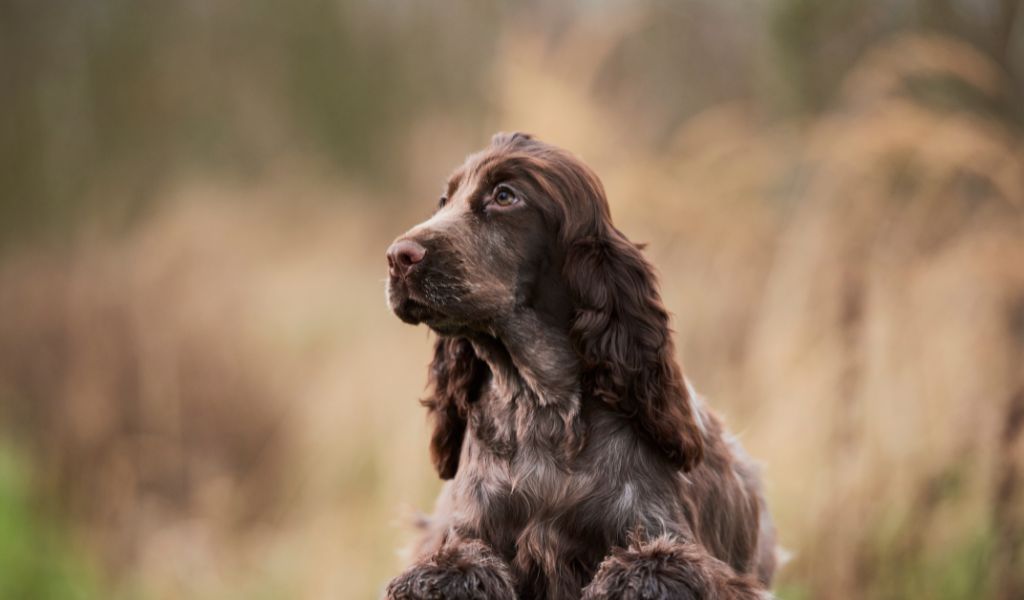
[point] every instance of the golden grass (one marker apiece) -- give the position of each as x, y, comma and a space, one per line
221, 400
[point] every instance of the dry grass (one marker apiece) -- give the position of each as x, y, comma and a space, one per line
222, 402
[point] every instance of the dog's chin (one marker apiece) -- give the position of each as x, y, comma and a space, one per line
415, 312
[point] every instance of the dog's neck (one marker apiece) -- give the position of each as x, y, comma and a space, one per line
524, 351
535, 374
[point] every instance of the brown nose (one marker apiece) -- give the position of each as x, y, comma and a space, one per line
403, 255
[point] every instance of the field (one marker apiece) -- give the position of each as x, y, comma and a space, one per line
204, 395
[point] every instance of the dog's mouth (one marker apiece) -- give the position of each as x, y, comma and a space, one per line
415, 312
411, 308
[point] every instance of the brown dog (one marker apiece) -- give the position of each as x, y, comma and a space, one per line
580, 463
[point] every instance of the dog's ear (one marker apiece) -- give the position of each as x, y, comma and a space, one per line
621, 332
456, 375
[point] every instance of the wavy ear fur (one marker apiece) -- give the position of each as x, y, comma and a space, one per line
622, 335
456, 375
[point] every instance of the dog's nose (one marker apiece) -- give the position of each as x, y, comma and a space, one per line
403, 255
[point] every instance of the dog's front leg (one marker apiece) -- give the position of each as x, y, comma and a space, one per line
666, 568
460, 570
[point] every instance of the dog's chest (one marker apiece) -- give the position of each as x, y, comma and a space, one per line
517, 471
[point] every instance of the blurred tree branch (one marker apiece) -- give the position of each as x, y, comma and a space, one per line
1006, 21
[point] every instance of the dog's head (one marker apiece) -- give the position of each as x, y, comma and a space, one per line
493, 246
525, 226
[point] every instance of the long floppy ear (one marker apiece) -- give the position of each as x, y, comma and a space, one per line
456, 375
621, 332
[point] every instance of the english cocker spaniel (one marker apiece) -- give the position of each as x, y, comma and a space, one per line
580, 464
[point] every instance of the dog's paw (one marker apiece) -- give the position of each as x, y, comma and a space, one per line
656, 570
666, 569
467, 571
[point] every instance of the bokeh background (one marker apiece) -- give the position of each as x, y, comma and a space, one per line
203, 395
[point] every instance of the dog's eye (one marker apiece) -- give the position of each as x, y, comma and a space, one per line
504, 196
442, 201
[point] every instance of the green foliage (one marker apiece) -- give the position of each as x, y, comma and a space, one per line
36, 560
957, 571
816, 42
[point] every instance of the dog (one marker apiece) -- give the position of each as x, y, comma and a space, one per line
578, 461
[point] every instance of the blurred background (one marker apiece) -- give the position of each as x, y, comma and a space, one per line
203, 394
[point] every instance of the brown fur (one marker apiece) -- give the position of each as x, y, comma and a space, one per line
580, 464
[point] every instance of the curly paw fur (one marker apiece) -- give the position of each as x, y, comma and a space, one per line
664, 569
464, 571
